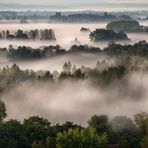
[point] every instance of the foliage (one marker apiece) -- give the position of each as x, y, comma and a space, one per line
144, 143
100, 123
109, 35
3, 113
138, 49
125, 26
37, 132
24, 52
46, 34
85, 138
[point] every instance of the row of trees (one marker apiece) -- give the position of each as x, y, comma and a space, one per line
46, 34
10, 76
137, 49
23, 52
100, 132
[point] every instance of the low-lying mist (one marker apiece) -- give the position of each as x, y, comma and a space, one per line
73, 100
77, 100
56, 62
65, 34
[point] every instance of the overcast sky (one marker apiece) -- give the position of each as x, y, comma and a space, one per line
105, 5
72, 1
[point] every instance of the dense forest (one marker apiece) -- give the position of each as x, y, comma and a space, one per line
100, 132
73, 74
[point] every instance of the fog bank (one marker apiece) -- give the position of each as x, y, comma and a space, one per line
65, 34
77, 100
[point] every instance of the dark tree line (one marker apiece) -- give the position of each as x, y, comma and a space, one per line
137, 49
100, 132
107, 35
23, 52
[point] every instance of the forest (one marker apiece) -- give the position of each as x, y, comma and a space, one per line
100, 132
73, 74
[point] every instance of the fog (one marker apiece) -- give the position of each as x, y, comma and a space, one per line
72, 100
56, 63
65, 34
77, 100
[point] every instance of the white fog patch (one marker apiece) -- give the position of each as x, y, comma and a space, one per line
56, 63
65, 34
77, 100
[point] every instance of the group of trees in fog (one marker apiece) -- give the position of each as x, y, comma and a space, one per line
24, 52
46, 34
103, 72
126, 26
12, 75
115, 30
109, 35
100, 132
137, 49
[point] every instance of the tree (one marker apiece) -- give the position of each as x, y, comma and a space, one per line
13, 135
84, 138
50, 142
144, 143
67, 67
122, 124
48, 76
109, 35
3, 113
124, 25
70, 139
90, 139
37, 128
37, 145
100, 123
123, 143
78, 73
124, 131
141, 120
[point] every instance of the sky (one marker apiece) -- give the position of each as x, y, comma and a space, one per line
85, 4
71, 1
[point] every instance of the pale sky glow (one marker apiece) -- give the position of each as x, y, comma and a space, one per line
102, 5
70, 1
